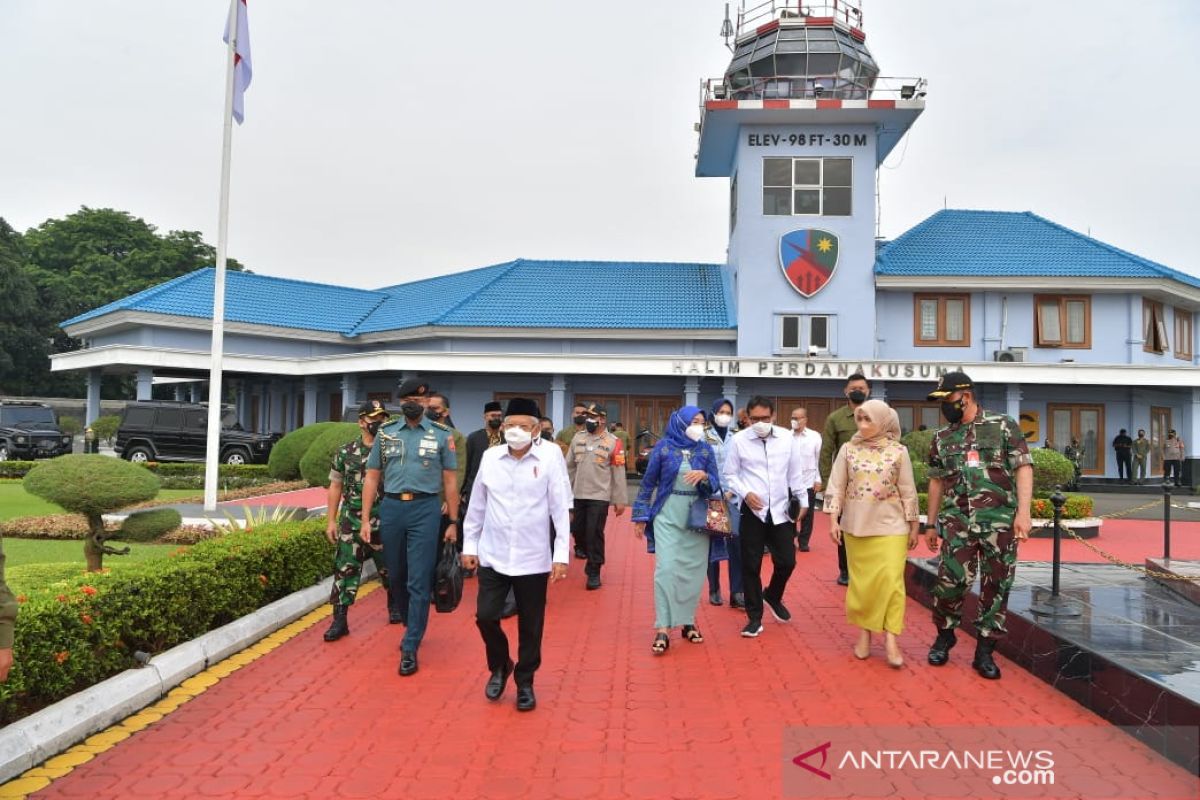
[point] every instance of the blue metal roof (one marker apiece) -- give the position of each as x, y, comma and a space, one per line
517, 294
1006, 243
255, 299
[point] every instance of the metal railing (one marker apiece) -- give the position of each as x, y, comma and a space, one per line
750, 19
813, 87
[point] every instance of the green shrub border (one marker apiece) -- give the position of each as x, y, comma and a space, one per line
1078, 506
75, 632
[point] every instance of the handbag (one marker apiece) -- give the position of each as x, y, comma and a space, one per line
710, 515
448, 580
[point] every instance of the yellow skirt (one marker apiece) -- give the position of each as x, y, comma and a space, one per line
875, 599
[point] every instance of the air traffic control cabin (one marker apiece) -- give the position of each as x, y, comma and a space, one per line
1073, 336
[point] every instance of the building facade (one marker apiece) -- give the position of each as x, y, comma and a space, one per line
1075, 337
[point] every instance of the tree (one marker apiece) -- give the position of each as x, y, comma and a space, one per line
22, 347
92, 485
106, 427
88, 259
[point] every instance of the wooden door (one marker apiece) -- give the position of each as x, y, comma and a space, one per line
335, 407
1084, 423
818, 409
1160, 423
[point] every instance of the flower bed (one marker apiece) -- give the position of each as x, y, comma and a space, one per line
76, 629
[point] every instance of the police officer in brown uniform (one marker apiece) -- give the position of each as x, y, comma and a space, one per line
596, 468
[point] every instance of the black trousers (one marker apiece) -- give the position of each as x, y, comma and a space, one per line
777, 537
530, 591
590, 516
1173, 470
805, 531
1124, 464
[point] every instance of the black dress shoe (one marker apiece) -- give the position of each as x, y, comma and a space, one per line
804, 548
526, 701
396, 618
715, 598
843, 580
983, 662
737, 600
593, 581
939, 652
579, 553
496, 683
408, 663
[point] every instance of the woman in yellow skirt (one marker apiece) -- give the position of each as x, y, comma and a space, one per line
872, 503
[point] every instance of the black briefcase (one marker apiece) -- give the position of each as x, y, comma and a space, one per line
448, 580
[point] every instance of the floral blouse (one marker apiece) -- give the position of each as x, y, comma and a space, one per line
871, 488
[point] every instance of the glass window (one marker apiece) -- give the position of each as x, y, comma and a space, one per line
777, 202
905, 413
837, 202
195, 419
1154, 327
929, 309
791, 333
819, 332
1183, 333
1076, 321
943, 320
954, 319
1049, 322
820, 186
837, 172
777, 172
931, 416
807, 172
138, 417
808, 201
169, 418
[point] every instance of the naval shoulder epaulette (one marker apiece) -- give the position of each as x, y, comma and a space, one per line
441, 425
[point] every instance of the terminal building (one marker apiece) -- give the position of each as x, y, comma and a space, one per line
1075, 337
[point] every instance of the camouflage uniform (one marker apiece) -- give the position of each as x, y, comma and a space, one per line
350, 467
976, 516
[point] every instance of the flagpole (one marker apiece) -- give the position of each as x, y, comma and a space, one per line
213, 452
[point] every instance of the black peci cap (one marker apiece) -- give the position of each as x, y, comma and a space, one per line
950, 383
413, 387
494, 405
523, 406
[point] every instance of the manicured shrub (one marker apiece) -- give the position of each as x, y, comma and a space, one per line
75, 628
921, 475
70, 425
191, 476
146, 526
918, 443
51, 526
1050, 469
92, 485
284, 462
106, 427
1078, 506
16, 469
314, 466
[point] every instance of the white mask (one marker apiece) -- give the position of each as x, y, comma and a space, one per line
763, 429
723, 420
795, 424
518, 438
694, 432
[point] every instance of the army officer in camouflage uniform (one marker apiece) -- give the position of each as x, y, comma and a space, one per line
412, 463
344, 515
981, 484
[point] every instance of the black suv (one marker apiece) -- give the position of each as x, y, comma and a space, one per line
169, 430
29, 431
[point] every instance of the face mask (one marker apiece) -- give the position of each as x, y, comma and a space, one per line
694, 432
795, 424
953, 412
435, 416
723, 420
373, 427
411, 409
580, 419
494, 424
858, 397
548, 435
591, 425
763, 429
518, 438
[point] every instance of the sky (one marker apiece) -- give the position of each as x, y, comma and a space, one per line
389, 140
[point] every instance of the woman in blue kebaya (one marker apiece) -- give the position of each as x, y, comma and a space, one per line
682, 467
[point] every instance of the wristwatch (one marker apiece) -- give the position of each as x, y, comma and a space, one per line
924, 526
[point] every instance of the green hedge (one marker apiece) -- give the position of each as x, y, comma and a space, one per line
146, 526
74, 630
284, 462
1078, 506
1050, 469
15, 469
191, 475
314, 466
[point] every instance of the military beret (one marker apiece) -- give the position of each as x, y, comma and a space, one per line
413, 387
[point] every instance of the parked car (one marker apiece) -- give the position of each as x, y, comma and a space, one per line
170, 430
30, 430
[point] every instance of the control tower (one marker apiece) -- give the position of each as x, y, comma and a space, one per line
799, 124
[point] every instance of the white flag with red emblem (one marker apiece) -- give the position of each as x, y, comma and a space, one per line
242, 70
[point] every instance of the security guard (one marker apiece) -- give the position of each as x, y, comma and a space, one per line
344, 515
411, 461
596, 468
980, 488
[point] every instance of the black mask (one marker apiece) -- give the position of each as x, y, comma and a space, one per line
580, 419
411, 409
858, 397
953, 412
495, 424
373, 427
435, 416
548, 435
591, 425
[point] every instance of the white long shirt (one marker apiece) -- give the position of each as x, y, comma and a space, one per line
513, 502
765, 467
806, 449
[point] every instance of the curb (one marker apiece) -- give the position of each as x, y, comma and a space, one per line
28, 742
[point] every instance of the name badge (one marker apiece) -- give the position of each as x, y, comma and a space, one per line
973, 458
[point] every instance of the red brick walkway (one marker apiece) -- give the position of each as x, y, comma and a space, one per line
335, 720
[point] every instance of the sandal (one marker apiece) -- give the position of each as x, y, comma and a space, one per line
692, 634
661, 643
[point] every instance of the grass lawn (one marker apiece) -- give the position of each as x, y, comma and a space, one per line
52, 551
16, 502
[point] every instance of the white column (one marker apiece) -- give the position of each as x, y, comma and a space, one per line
691, 391
1012, 401
310, 400
349, 391
93, 395
145, 380
1190, 431
179, 392
558, 401
879, 390
194, 390
729, 389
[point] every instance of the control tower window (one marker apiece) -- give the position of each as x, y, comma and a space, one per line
807, 187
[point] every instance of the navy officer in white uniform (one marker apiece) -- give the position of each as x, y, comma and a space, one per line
519, 491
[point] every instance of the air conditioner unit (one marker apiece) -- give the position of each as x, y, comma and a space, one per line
1009, 354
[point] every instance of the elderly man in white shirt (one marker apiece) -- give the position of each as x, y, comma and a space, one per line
806, 447
519, 491
759, 468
